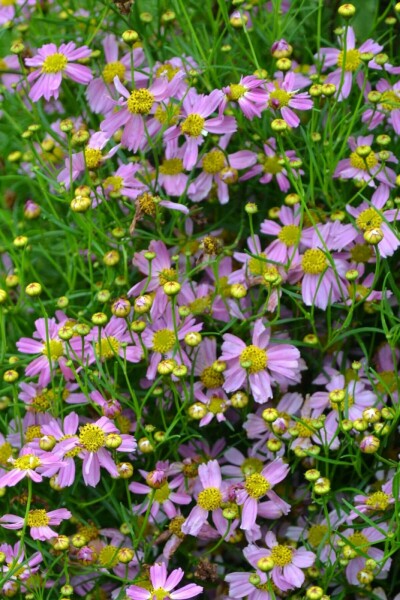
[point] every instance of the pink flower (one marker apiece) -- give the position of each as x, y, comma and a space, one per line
362, 541
162, 495
287, 572
270, 166
33, 465
51, 63
284, 97
136, 106
91, 158
210, 498
387, 108
123, 182
101, 89
262, 364
158, 271
163, 586
256, 486
348, 61
249, 93
52, 349
217, 404
285, 248
195, 125
250, 585
38, 520
12, 576
221, 169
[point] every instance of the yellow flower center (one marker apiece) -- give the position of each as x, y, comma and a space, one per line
159, 594
363, 163
3, 64
75, 451
282, 555
361, 253
193, 125
359, 292
93, 157
386, 381
162, 494
258, 266
26, 462
37, 518
115, 182
167, 275
53, 349
43, 402
251, 465
5, 452
107, 347
114, 69
190, 470
359, 540
289, 235
213, 162
217, 405
351, 61
210, 498
304, 428
140, 102
54, 63
224, 288
314, 261
123, 423
171, 166
8, 2
236, 91
255, 357
271, 164
378, 501
147, 204
256, 485
108, 556
167, 70
175, 526
89, 532
211, 379
390, 100
32, 433
369, 219
200, 305
92, 437
163, 341
316, 534
279, 98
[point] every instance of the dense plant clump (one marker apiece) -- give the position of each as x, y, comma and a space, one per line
199, 299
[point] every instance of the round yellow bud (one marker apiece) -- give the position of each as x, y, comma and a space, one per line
3, 296
80, 204
239, 400
125, 555
197, 411
322, 486
166, 367
314, 593
20, 241
265, 564
347, 11
279, 125
10, 376
61, 542
172, 288
111, 258
113, 441
238, 290
130, 36
125, 469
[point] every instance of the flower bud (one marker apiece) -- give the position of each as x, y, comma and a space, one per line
130, 36
352, 274
197, 411
251, 208
80, 204
47, 443
180, 371
374, 97
172, 288
10, 376
67, 590
347, 11
369, 444
311, 339
78, 540
121, 307
265, 564
125, 555
312, 475
125, 469
322, 486
360, 424
239, 400
270, 415
165, 367
110, 259
113, 441
314, 593
283, 64
373, 236
328, 89
61, 542
138, 326
145, 446
99, 318
20, 241
279, 125
274, 445
193, 339
3, 296
238, 291
143, 304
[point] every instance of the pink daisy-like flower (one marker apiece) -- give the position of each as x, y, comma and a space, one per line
249, 93
287, 572
161, 494
13, 576
271, 166
10, 9
285, 248
61, 431
105, 343
51, 63
33, 465
210, 498
195, 124
9, 63
38, 399
135, 108
256, 486
370, 217
38, 520
163, 586
364, 165
158, 271
217, 403
123, 182
171, 174
221, 169
101, 89
52, 349
284, 97
387, 108
262, 364
90, 158
376, 502
92, 442
361, 542
348, 61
